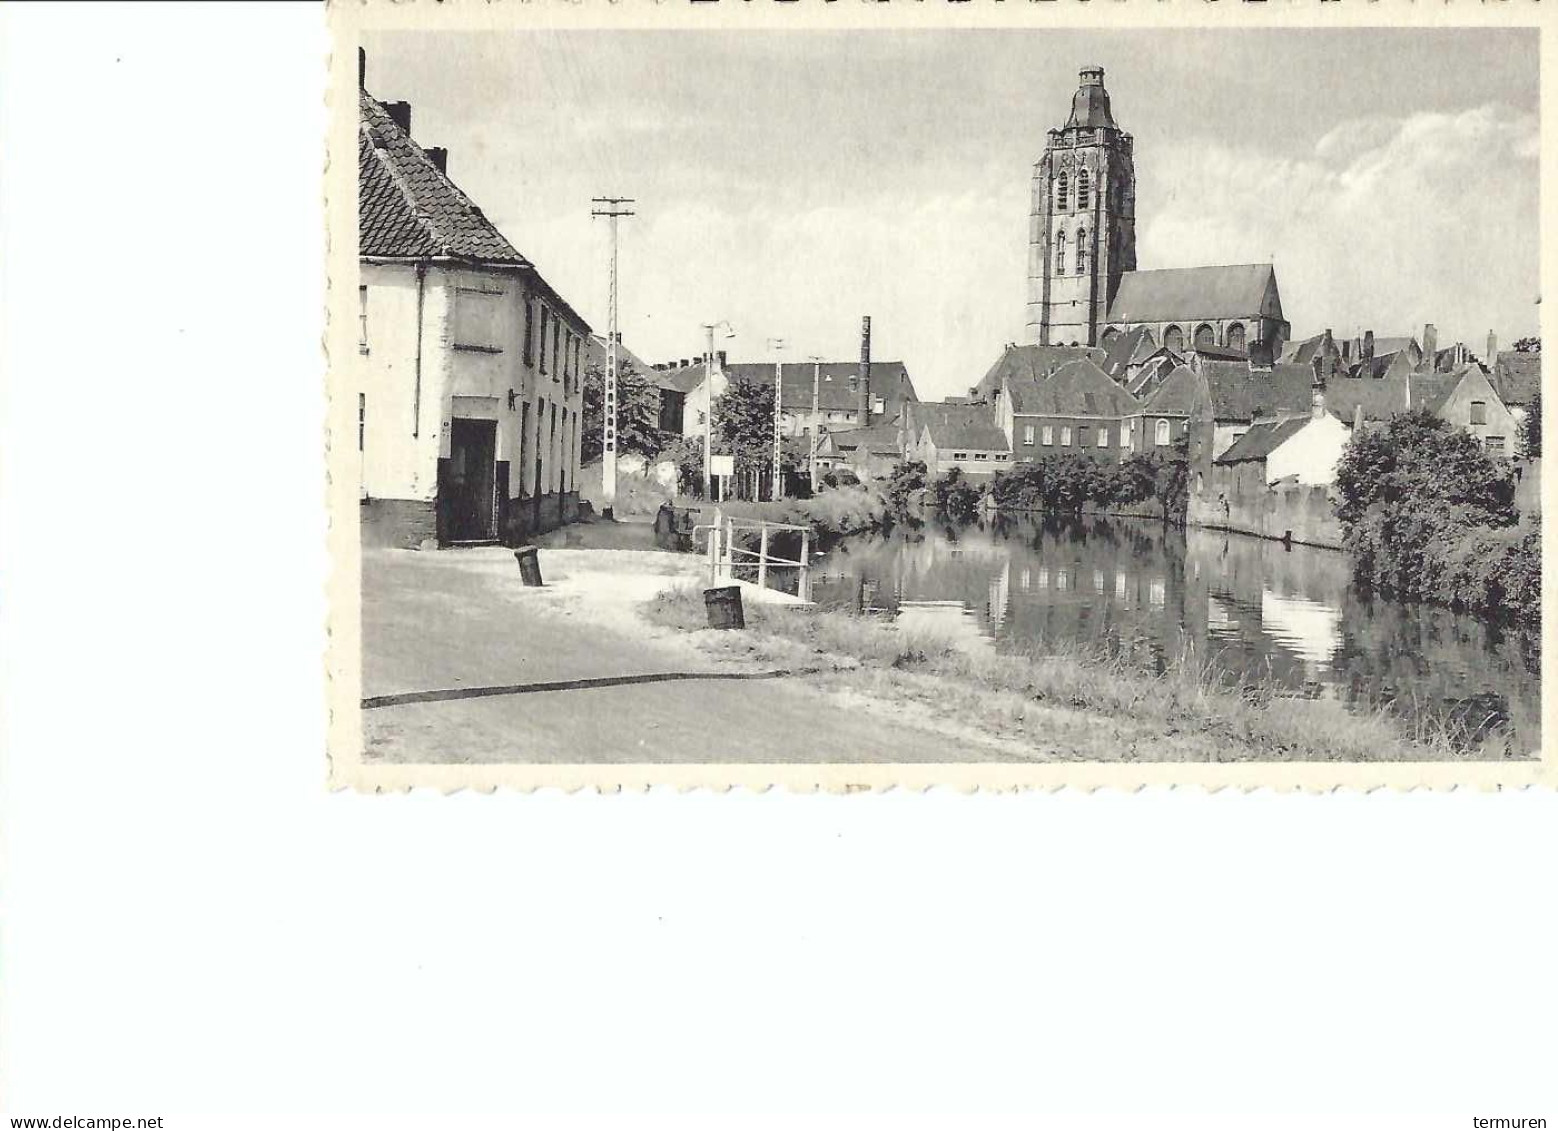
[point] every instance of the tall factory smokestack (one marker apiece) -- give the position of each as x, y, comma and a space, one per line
865, 371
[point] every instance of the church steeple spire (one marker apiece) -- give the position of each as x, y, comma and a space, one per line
1090, 104
1082, 224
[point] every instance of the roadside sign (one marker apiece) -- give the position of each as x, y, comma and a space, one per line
722, 465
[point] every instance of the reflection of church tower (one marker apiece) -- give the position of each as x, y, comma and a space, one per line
1082, 226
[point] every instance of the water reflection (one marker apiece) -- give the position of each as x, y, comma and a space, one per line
1254, 609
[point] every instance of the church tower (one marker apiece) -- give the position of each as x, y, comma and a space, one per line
1082, 225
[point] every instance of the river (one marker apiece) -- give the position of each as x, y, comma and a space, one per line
1257, 611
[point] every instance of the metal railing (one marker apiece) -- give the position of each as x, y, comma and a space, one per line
726, 550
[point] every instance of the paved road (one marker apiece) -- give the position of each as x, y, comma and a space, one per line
462, 620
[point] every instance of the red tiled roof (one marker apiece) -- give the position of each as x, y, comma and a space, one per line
408, 209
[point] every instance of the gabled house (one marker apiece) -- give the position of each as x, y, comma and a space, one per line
469, 367
1075, 408
957, 436
1517, 378
1465, 398
1164, 417
870, 453
815, 396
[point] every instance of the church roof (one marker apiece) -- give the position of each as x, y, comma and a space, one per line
1182, 294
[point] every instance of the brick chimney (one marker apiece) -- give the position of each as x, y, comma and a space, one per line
362, 69
439, 156
865, 371
1366, 351
400, 114
1492, 357
1430, 347
1327, 356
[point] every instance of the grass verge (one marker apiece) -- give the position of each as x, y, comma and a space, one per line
1066, 703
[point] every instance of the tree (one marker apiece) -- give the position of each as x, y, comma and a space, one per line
955, 496
638, 413
1417, 460
1531, 429
1528, 345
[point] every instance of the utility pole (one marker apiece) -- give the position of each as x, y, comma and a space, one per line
612, 207
708, 401
816, 417
778, 348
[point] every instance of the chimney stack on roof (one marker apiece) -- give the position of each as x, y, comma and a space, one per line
362, 69
1366, 351
1430, 347
865, 371
400, 114
682, 364
439, 156
1492, 349
1328, 357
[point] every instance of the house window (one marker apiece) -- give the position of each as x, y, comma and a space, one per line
999, 456
1060, 254
1081, 435
476, 317
362, 319
1162, 434
1049, 435
959, 455
541, 353
1125, 436
1495, 445
1027, 435
1479, 412
1103, 436
878, 405
1060, 193
530, 327
1065, 437
557, 339
1082, 250
981, 456
1084, 191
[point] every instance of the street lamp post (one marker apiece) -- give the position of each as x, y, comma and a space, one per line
708, 399
816, 416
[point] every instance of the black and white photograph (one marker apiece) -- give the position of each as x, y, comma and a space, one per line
946, 397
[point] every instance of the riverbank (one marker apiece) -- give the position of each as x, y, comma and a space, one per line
1074, 704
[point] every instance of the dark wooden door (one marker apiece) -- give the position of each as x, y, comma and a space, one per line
470, 485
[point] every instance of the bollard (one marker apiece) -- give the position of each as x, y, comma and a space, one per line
723, 606
529, 565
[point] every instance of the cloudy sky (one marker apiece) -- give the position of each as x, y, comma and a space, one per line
791, 182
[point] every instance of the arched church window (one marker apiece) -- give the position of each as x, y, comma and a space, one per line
1060, 254
1084, 191
1061, 187
1081, 251
1174, 339
1205, 336
1236, 336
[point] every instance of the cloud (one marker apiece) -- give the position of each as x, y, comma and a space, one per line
1387, 224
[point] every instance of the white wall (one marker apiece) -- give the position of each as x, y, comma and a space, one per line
1310, 454
472, 356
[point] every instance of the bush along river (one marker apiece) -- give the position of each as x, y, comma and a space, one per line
1257, 612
